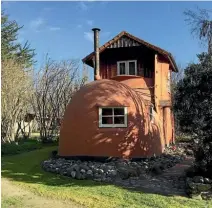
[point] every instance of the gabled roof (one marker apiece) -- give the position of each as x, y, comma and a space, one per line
138, 40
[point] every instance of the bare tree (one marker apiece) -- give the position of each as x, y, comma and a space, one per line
201, 25
55, 85
16, 90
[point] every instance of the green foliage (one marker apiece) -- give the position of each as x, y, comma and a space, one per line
193, 97
183, 138
10, 47
88, 193
24, 146
193, 109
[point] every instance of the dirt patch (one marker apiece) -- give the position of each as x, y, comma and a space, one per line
13, 197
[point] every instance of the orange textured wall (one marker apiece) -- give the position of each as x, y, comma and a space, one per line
161, 93
142, 85
80, 134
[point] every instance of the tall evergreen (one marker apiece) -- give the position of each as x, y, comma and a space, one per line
10, 46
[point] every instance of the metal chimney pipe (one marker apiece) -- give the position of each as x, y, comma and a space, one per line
96, 51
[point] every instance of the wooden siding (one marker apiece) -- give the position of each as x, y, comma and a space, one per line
124, 41
110, 57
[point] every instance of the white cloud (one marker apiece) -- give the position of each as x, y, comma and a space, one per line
54, 28
88, 36
89, 22
37, 24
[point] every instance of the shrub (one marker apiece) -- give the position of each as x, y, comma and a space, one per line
23, 146
193, 109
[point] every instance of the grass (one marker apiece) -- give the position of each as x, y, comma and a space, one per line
25, 171
14, 201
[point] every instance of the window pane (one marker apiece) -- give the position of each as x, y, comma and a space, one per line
118, 111
107, 111
132, 68
119, 120
122, 68
107, 120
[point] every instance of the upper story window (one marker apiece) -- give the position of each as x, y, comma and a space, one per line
113, 117
127, 67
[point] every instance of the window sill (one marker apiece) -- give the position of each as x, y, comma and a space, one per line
130, 76
125, 75
113, 126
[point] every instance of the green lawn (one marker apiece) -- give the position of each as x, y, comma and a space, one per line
25, 171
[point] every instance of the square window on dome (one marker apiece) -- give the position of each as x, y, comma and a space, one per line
113, 117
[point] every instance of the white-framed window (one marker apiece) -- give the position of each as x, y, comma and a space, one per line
127, 67
112, 116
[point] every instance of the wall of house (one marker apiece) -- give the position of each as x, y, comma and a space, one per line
145, 59
80, 134
162, 93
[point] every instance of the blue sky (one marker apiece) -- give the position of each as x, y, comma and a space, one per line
63, 29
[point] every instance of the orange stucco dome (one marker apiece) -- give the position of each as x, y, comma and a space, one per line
80, 134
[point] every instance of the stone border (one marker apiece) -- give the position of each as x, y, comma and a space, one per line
199, 187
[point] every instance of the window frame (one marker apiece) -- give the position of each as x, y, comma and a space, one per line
127, 67
101, 125
151, 113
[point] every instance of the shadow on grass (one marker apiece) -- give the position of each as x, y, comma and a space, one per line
26, 168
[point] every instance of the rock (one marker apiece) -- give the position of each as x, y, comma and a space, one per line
84, 167
191, 185
196, 196
100, 171
78, 175
207, 181
156, 169
69, 170
75, 167
57, 170
82, 171
146, 167
133, 172
203, 187
123, 173
108, 179
206, 195
112, 173
89, 172
73, 174
189, 152
198, 179
96, 175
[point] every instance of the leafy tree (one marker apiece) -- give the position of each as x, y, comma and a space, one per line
11, 48
201, 25
193, 108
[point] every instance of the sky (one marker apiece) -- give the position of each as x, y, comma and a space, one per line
63, 29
